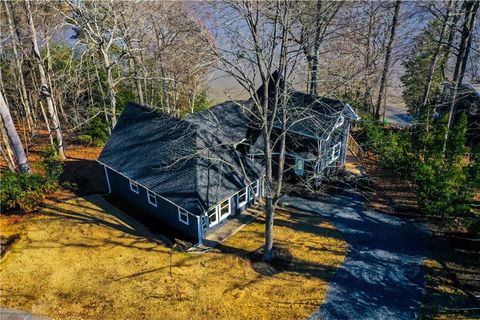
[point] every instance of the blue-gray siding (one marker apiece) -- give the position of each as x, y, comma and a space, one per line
165, 211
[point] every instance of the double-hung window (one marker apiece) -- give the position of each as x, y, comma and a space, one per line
255, 189
242, 197
134, 186
212, 216
225, 208
335, 152
183, 216
152, 199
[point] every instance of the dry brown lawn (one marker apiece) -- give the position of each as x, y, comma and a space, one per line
84, 259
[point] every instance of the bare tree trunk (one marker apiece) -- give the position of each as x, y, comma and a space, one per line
18, 63
386, 66
12, 133
138, 83
269, 208
110, 87
100, 88
436, 54
471, 8
6, 149
316, 47
367, 98
56, 104
45, 90
451, 36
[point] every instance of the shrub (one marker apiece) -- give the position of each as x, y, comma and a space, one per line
96, 133
21, 191
51, 164
445, 180
442, 188
392, 147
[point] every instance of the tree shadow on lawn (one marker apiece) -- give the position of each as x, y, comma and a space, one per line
452, 279
134, 232
107, 216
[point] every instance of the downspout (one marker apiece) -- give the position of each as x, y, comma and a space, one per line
108, 180
199, 230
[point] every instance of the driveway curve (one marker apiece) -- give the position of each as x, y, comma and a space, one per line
382, 275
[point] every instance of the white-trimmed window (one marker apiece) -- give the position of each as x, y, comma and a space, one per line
336, 152
225, 208
183, 216
339, 122
212, 216
255, 189
152, 199
134, 186
242, 197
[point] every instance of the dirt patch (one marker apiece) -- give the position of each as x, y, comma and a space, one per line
386, 190
282, 261
89, 260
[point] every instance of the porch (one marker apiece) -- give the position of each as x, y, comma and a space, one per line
228, 227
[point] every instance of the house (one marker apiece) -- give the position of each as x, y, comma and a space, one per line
178, 171
468, 101
194, 173
317, 132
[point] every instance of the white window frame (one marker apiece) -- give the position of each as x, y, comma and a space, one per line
182, 213
134, 186
336, 152
255, 194
339, 122
213, 211
152, 194
222, 216
243, 203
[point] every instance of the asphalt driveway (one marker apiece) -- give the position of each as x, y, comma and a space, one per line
382, 275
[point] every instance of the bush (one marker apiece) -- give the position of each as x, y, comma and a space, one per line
51, 164
442, 188
21, 191
392, 147
96, 133
445, 180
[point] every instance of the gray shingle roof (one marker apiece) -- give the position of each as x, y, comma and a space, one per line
308, 114
230, 118
316, 116
180, 160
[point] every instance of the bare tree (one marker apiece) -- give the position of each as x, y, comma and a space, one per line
436, 54
261, 45
45, 88
386, 65
313, 25
470, 12
13, 137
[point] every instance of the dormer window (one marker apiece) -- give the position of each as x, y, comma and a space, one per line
340, 121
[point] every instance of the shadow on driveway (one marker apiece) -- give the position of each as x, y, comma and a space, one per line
382, 275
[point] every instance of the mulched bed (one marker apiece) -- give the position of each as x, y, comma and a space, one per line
282, 261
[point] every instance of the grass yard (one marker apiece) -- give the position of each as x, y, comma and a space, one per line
76, 261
